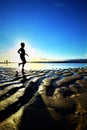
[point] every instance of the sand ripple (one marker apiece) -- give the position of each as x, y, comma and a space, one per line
41, 99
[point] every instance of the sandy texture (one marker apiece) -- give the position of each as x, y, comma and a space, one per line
43, 99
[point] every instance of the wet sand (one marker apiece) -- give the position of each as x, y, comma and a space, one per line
43, 99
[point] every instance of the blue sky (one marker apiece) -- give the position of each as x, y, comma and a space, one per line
51, 29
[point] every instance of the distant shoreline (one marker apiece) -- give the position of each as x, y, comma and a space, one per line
47, 62
58, 62
65, 61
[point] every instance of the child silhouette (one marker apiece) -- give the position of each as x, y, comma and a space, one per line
22, 53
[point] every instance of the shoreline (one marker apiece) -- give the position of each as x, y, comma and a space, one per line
45, 66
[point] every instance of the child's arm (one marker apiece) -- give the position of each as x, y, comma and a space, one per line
19, 51
26, 54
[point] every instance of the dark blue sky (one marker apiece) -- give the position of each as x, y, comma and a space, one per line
55, 28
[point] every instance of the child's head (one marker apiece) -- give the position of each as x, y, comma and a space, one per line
22, 44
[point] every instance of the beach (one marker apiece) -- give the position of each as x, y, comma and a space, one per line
43, 99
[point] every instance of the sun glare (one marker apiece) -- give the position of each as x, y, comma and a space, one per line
33, 54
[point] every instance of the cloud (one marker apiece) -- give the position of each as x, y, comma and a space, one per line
58, 4
63, 5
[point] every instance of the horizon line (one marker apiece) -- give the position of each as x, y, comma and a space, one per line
52, 61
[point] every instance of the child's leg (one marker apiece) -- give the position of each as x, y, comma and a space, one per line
23, 66
19, 64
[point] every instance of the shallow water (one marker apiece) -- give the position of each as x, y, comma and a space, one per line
42, 66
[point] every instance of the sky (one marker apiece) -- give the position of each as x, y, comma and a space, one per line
51, 29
